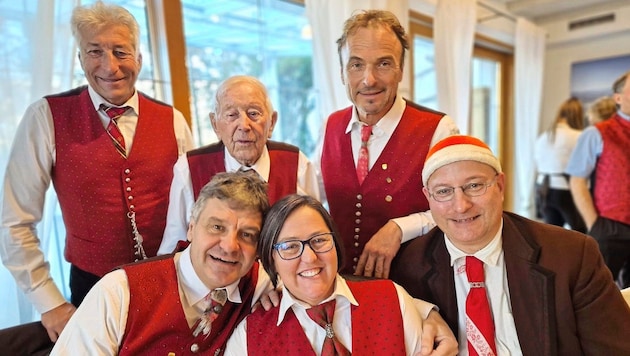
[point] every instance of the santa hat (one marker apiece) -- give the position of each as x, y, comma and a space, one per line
458, 148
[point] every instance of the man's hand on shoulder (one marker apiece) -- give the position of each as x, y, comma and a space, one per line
437, 337
56, 319
379, 252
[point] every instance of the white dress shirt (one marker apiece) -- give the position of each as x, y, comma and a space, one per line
415, 224
553, 157
98, 325
27, 178
412, 316
498, 294
181, 198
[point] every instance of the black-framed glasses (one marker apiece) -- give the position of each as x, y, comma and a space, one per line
472, 189
292, 249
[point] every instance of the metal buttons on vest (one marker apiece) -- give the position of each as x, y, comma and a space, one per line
194, 348
357, 230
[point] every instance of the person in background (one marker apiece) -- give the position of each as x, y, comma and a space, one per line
109, 151
505, 284
362, 317
373, 151
601, 109
243, 120
601, 158
551, 153
184, 303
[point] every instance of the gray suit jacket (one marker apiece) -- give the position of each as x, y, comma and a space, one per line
563, 297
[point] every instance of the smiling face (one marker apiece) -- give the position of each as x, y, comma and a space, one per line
110, 62
469, 222
244, 121
223, 242
373, 89
310, 277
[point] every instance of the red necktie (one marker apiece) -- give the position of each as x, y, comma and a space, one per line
323, 315
479, 324
362, 164
112, 129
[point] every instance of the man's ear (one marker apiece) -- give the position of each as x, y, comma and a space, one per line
274, 119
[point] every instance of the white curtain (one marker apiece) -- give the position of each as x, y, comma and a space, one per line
529, 52
453, 37
38, 58
326, 18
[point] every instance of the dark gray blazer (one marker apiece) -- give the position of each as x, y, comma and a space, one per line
563, 297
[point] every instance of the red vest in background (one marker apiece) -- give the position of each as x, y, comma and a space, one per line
156, 323
96, 187
612, 173
392, 188
377, 325
207, 161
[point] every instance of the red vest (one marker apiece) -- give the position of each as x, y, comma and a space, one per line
207, 161
377, 325
156, 323
612, 173
96, 187
392, 188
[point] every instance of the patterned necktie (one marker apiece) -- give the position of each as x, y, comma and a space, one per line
216, 299
362, 164
479, 324
112, 128
323, 315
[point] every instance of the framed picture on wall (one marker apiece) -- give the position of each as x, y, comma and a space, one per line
594, 78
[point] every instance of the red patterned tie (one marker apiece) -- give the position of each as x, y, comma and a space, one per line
112, 129
323, 315
216, 300
362, 164
479, 324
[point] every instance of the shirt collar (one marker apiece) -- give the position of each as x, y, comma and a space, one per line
288, 301
262, 166
193, 287
489, 254
386, 124
627, 117
97, 100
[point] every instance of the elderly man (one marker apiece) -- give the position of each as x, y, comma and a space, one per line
505, 284
109, 151
373, 151
243, 121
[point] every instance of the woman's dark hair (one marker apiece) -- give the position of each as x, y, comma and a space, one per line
274, 222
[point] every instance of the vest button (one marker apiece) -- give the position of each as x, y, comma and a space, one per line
128, 189
194, 348
357, 221
356, 244
384, 166
359, 196
130, 197
388, 180
388, 198
358, 205
356, 237
357, 230
127, 180
358, 213
127, 171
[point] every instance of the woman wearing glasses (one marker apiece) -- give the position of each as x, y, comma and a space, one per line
320, 312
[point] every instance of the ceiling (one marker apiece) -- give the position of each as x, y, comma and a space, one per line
542, 9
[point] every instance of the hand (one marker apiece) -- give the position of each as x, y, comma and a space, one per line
436, 333
268, 300
56, 319
379, 252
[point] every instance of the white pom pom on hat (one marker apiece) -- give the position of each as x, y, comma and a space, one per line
458, 148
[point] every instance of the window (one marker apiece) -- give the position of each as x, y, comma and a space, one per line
269, 40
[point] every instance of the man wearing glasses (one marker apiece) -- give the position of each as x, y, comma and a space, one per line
545, 290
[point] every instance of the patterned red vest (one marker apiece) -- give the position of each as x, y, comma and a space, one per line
207, 161
96, 187
377, 325
612, 173
392, 188
156, 323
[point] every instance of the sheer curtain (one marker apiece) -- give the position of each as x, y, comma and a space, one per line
38, 56
326, 18
454, 31
529, 52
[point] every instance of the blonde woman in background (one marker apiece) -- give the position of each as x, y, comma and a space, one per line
601, 109
552, 151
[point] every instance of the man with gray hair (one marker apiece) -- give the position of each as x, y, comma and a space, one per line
109, 151
243, 120
188, 302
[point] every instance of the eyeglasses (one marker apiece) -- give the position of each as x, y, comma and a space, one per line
473, 189
292, 249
